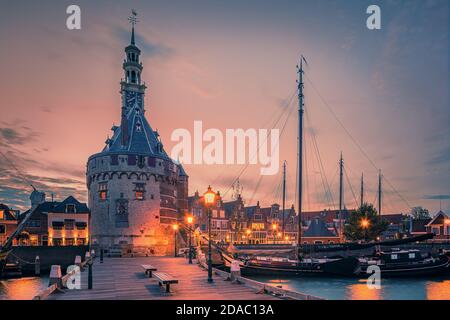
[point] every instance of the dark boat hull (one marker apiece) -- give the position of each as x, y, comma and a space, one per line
342, 267
436, 268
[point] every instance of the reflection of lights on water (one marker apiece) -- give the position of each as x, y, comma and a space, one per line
438, 290
21, 289
278, 281
361, 291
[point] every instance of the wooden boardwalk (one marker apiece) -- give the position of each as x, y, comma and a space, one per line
124, 279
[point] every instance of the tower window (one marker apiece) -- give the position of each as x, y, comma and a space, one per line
133, 76
103, 191
139, 191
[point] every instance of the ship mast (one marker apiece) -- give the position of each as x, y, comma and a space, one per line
341, 193
362, 189
284, 193
379, 192
300, 85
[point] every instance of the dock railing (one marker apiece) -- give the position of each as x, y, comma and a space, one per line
54, 287
260, 287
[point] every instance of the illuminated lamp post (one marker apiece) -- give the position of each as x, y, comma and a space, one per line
248, 232
209, 197
190, 220
175, 229
365, 223
274, 228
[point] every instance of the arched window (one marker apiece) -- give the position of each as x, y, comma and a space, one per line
133, 76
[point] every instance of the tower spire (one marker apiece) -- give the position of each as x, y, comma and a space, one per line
133, 20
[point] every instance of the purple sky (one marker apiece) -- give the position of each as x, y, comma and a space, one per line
232, 65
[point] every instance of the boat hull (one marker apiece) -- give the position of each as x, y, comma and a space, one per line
433, 268
342, 267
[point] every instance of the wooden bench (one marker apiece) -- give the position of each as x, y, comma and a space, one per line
148, 269
164, 279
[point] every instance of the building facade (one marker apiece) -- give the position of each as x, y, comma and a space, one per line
8, 222
135, 191
55, 223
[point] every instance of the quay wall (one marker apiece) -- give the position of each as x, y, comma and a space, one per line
63, 256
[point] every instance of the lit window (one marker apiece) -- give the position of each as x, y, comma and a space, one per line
2, 215
103, 191
394, 256
412, 255
139, 191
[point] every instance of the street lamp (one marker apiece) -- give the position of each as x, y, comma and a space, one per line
274, 228
209, 197
365, 225
175, 229
248, 232
190, 220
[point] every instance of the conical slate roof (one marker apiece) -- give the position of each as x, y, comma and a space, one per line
142, 139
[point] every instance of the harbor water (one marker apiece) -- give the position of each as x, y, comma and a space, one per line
357, 289
22, 288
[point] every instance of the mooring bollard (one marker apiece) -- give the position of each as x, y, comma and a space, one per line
235, 270
37, 266
55, 276
101, 255
78, 261
90, 275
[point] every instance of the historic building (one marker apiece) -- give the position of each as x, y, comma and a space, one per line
136, 192
55, 223
8, 222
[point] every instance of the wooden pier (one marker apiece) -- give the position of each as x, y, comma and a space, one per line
124, 279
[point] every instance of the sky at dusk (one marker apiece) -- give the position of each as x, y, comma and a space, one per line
231, 64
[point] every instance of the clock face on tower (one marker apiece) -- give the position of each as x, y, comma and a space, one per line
132, 98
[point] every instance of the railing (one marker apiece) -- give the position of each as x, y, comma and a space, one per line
43, 295
261, 287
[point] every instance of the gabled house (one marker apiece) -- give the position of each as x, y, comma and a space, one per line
56, 223
440, 226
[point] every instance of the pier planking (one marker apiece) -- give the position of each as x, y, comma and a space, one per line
124, 279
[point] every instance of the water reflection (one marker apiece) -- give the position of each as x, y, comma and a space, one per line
439, 290
21, 289
357, 289
361, 291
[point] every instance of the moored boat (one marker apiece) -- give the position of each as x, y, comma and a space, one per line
272, 265
405, 263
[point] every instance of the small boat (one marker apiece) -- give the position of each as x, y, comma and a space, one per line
405, 263
272, 265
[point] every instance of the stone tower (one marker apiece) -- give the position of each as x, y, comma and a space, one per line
136, 192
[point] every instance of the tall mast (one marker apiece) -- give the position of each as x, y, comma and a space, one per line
379, 192
284, 192
341, 193
362, 189
300, 147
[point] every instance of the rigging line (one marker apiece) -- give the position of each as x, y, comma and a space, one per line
272, 118
19, 173
259, 145
353, 139
273, 149
351, 187
322, 170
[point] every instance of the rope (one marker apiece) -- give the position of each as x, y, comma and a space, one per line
354, 140
351, 188
257, 150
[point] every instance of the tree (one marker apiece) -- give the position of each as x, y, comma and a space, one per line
419, 213
364, 224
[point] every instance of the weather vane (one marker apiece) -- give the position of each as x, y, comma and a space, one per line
133, 18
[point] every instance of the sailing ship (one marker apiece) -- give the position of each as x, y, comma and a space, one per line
294, 262
405, 263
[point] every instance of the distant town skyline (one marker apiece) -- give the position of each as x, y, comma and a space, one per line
232, 65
